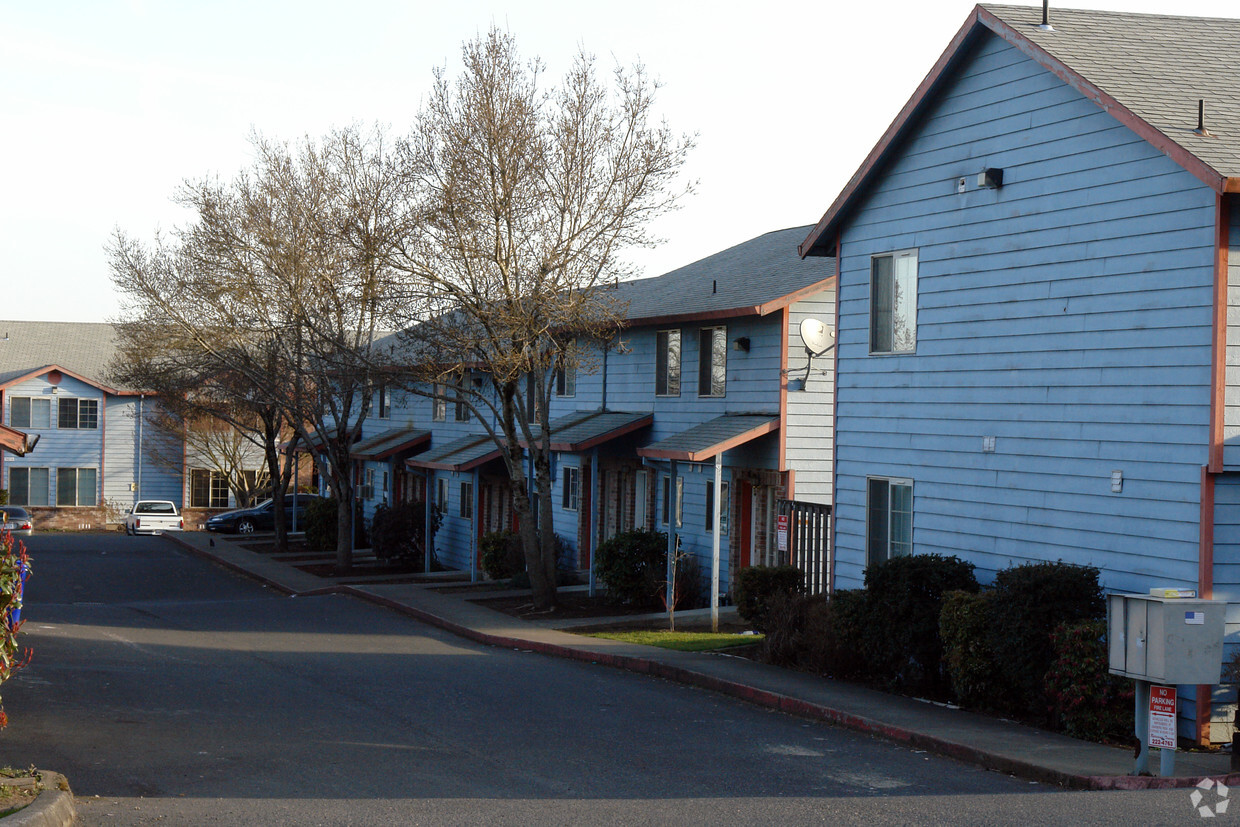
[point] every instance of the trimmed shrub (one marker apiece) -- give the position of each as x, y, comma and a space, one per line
757, 585
964, 627
633, 564
786, 628
397, 532
905, 596
836, 632
321, 524
321, 520
1030, 601
502, 555
1086, 701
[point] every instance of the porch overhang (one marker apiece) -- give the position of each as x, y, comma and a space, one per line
17, 442
464, 454
704, 441
390, 443
583, 430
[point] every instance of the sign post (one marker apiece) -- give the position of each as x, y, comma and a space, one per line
1162, 726
781, 532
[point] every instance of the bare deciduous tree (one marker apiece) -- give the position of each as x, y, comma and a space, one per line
282, 282
526, 199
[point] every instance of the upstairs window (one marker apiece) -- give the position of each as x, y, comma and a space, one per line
667, 363
439, 405
889, 519
78, 413
893, 302
30, 412
383, 402
712, 361
566, 381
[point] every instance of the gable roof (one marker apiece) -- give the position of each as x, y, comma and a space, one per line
1147, 70
755, 277
80, 349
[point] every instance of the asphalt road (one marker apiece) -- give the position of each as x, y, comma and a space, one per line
169, 690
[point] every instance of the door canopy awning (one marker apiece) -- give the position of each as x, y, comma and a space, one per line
17, 442
390, 443
583, 430
464, 454
704, 441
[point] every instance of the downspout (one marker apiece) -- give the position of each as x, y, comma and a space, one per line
595, 496
716, 518
141, 397
835, 418
1214, 462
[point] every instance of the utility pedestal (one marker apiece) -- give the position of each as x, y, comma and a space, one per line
1162, 642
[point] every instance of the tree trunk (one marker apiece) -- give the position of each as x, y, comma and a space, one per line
344, 530
546, 526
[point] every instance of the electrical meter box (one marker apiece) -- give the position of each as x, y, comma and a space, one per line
1165, 640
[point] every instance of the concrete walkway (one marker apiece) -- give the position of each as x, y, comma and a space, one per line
989, 742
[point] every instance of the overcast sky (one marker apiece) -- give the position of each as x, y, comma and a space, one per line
108, 106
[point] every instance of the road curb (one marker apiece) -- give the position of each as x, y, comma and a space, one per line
751, 694
53, 808
803, 709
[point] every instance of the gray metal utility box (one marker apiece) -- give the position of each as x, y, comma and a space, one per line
1165, 640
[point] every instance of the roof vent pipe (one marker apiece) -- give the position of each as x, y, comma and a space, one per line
1201, 119
1045, 25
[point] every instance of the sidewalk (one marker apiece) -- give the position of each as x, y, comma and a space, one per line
988, 742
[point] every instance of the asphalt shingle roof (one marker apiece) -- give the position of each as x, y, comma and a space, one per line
582, 430
85, 348
747, 275
458, 455
389, 442
703, 441
1157, 66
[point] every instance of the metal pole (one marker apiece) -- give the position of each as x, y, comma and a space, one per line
296, 485
473, 529
671, 539
428, 536
714, 546
595, 491
1141, 716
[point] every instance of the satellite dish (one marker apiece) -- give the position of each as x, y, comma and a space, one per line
817, 337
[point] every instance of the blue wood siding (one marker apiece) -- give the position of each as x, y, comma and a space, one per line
811, 410
1066, 314
59, 447
1231, 418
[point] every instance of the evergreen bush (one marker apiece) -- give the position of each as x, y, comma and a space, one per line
1086, 700
502, 555
757, 585
397, 531
633, 564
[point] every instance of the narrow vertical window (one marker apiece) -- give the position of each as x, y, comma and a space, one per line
383, 402
667, 363
570, 497
441, 495
712, 361
680, 501
566, 376
889, 519
467, 500
439, 404
710, 508
893, 303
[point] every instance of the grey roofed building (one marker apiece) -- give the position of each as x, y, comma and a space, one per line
1148, 71
84, 348
754, 277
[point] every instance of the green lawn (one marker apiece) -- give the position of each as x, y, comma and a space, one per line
682, 641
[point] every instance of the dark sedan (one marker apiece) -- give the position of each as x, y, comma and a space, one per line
262, 517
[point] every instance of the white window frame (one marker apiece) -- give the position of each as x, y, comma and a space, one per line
671, 376
77, 413
897, 529
713, 364
570, 494
46, 486
439, 404
31, 421
77, 487
725, 498
466, 510
216, 480
383, 402
885, 340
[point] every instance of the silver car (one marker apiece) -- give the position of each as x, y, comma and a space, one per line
16, 520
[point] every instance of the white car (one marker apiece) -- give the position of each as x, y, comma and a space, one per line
153, 517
